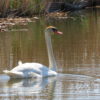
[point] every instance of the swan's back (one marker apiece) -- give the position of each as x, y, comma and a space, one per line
36, 67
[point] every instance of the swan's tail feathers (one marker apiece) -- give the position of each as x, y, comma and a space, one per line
6, 71
19, 62
13, 74
21, 75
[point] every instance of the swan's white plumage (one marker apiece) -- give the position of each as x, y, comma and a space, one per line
19, 63
26, 70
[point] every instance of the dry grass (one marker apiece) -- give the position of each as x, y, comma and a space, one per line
10, 8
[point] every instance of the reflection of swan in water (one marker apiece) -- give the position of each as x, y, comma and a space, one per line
27, 70
49, 88
27, 87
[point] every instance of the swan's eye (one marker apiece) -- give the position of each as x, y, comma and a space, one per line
56, 31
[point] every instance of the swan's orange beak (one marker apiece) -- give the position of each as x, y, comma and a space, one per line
58, 32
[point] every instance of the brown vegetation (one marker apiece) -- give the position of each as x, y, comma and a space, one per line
12, 8
7, 23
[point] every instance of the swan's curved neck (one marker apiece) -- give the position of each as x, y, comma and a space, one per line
52, 62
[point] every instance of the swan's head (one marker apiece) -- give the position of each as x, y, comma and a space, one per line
52, 29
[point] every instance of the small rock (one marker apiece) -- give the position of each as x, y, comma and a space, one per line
36, 18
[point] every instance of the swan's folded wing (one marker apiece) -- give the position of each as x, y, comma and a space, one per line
34, 75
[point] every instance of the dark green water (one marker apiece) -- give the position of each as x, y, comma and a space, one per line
77, 53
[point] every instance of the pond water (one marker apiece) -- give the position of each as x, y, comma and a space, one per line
77, 53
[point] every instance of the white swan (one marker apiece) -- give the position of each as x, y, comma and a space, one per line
26, 70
